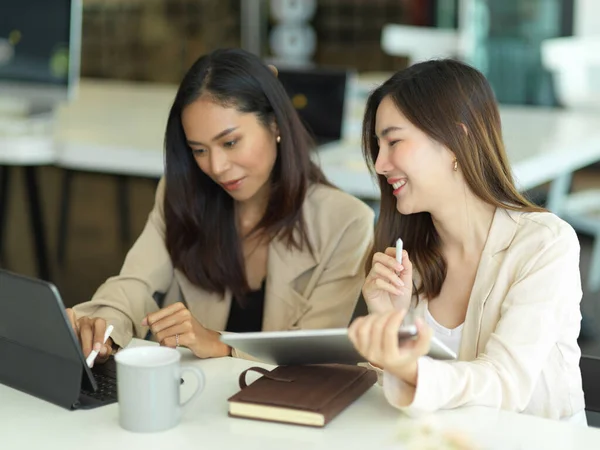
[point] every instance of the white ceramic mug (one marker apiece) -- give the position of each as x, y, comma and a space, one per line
148, 385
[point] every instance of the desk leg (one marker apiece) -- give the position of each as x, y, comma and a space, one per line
124, 210
37, 223
65, 207
559, 190
4, 183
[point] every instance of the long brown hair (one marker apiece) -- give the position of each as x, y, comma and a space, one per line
453, 104
201, 235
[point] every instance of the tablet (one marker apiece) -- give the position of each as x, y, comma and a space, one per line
326, 346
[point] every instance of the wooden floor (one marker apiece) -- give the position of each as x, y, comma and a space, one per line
95, 251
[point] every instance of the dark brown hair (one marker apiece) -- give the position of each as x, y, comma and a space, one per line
442, 98
201, 236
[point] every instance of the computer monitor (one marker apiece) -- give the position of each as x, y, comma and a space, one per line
40, 45
319, 96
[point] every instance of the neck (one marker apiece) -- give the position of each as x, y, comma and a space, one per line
463, 227
251, 211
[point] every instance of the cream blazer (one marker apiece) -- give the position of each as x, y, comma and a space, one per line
519, 347
303, 290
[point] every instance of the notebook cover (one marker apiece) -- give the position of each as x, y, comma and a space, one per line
325, 389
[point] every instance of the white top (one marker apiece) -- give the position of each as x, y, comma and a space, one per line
450, 337
29, 423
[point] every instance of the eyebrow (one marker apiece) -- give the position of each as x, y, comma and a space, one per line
387, 131
217, 137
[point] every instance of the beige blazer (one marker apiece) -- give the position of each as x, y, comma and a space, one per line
303, 291
519, 347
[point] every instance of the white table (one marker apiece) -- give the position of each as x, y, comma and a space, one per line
118, 128
29, 423
542, 144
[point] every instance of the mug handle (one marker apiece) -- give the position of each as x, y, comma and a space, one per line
201, 382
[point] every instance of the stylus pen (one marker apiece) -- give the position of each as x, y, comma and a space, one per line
92, 356
399, 250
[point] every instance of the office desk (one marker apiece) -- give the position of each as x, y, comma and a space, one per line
117, 127
542, 145
370, 423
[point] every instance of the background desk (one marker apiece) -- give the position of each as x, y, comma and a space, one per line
117, 127
370, 423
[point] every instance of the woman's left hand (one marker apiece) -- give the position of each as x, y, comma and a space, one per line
174, 326
376, 338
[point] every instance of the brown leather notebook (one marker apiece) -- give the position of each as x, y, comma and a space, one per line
306, 395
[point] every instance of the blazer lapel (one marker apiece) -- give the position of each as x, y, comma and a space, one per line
284, 305
211, 308
502, 230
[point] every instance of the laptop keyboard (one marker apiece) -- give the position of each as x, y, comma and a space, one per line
106, 378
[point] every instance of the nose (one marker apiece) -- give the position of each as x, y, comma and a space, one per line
219, 162
382, 163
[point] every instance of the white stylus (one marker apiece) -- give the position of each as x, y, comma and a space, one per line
399, 250
92, 356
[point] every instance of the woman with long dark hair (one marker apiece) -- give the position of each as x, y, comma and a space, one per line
491, 275
246, 233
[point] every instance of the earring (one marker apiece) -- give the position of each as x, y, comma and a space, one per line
278, 139
455, 165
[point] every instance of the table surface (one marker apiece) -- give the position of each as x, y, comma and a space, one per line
29, 423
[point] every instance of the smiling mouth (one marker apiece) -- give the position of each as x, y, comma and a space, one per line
398, 184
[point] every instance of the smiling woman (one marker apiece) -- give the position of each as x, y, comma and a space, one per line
246, 233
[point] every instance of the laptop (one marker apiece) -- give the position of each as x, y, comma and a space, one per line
39, 352
319, 96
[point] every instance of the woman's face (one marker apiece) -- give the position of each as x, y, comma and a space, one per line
419, 170
234, 149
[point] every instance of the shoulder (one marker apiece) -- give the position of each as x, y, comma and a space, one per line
544, 228
541, 236
327, 203
330, 213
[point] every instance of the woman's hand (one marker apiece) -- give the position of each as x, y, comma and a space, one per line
90, 333
388, 285
175, 326
376, 338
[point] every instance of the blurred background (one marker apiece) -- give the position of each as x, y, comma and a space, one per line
85, 87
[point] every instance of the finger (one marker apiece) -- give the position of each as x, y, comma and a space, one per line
177, 317
179, 328
423, 341
363, 335
390, 342
406, 262
162, 313
73, 320
354, 326
353, 333
105, 352
388, 261
381, 271
86, 335
378, 331
99, 330
388, 287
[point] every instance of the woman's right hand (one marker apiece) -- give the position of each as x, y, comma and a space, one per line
90, 332
388, 285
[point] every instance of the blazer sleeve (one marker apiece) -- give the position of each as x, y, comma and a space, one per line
124, 300
337, 288
505, 374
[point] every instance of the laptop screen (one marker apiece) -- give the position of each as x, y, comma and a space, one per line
318, 96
